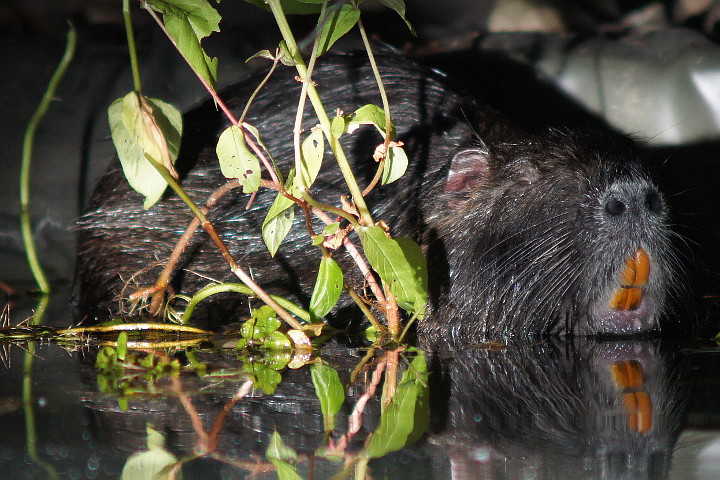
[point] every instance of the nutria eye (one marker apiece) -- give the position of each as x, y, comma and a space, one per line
613, 206
524, 182
653, 202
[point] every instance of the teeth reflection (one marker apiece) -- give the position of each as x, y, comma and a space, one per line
634, 276
628, 378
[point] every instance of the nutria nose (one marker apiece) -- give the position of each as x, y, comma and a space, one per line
614, 206
617, 204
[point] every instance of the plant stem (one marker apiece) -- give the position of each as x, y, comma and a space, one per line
28, 402
239, 288
343, 164
28, 141
210, 229
137, 85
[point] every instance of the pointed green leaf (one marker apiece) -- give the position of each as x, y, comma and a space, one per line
284, 458
399, 7
401, 265
188, 22
236, 160
312, 154
329, 391
328, 287
278, 223
277, 450
338, 23
405, 419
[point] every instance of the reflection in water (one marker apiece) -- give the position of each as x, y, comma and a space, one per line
588, 409
581, 409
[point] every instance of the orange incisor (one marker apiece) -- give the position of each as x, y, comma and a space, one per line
634, 278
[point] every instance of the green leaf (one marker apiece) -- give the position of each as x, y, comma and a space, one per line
277, 341
188, 22
254, 132
122, 345
278, 222
331, 229
262, 54
266, 379
262, 330
282, 457
405, 419
262, 323
370, 115
396, 163
401, 265
140, 126
152, 464
328, 287
278, 359
399, 7
338, 23
329, 391
339, 125
155, 440
277, 450
312, 148
236, 160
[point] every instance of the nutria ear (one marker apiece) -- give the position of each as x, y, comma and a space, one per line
467, 171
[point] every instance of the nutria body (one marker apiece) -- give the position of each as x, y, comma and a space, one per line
524, 235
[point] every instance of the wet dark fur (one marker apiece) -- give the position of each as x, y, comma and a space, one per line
519, 241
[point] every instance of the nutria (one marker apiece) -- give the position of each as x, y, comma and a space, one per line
559, 233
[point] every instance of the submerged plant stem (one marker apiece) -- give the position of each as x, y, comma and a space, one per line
28, 141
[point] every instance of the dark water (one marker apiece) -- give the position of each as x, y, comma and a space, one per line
632, 409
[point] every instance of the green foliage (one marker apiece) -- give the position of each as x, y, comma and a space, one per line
283, 458
262, 331
144, 128
339, 22
405, 419
188, 22
278, 222
399, 7
329, 391
400, 264
152, 464
370, 115
312, 154
142, 125
396, 161
236, 160
328, 287
267, 349
133, 374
